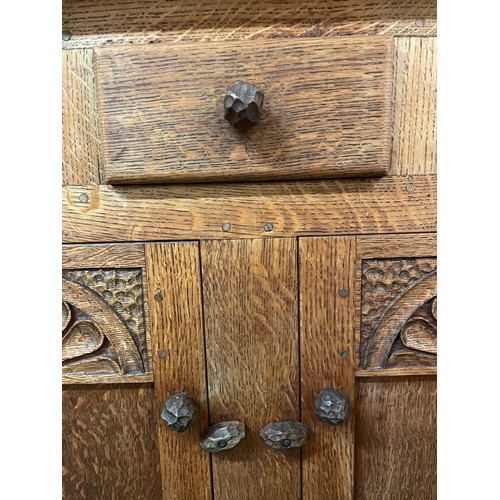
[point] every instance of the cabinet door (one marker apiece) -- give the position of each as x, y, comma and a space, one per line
396, 359
110, 445
369, 329
254, 329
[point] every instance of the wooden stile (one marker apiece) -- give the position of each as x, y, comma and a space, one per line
81, 147
414, 149
174, 297
327, 266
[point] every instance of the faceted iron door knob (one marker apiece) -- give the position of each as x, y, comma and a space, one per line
331, 407
179, 412
284, 435
222, 436
243, 104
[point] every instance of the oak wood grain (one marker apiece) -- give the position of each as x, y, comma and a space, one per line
92, 22
391, 301
94, 263
109, 442
390, 246
414, 148
80, 153
396, 245
396, 438
327, 265
104, 317
336, 207
251, 315
420, 335
397, 372
95, 378
102, 256
327, 110
174, 297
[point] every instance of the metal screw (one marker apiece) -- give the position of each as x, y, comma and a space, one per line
410, 187
222, 444
161, 353
268, 226
226, 227
343, 354
420, 23
66, 35
84, 197
343, 292
158, 297
286, 443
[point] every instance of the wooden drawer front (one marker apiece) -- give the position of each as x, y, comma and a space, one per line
327, 110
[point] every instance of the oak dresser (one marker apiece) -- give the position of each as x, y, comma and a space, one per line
249, 250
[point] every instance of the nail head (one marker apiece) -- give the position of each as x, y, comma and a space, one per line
268, 226
84, 197
343, 354
410, 187
158, 297
66, 35
161, 353
226, 227
343, 292
420, 23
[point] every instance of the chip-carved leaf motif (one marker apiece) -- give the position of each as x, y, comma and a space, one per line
434, 308
399, 313
420, 335
82, 338
66, 315
102, 333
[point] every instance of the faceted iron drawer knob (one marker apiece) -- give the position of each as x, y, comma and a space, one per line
243, 104
331, 407
284, 435
222, 436
179, 412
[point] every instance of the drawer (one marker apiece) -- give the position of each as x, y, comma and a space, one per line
326, 112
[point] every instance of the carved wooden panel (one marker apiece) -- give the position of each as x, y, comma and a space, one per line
398, 313
103, 324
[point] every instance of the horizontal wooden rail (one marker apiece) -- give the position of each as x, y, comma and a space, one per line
397, 372
219, 211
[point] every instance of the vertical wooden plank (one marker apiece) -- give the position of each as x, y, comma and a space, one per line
415, 82
174, 297
80, 154
327, 295
396, 438
109, 442
250, 303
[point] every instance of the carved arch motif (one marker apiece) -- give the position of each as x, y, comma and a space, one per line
399, 313
97, 339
